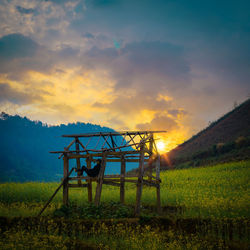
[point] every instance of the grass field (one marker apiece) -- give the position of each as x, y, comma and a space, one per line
215, 191
218, 194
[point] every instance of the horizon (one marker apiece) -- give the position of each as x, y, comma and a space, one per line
125, 65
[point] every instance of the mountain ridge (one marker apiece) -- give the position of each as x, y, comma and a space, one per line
25, 146
227, 129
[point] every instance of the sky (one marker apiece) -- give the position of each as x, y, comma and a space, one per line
126, 64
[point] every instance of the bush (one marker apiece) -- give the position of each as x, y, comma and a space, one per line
241, 141
90, 211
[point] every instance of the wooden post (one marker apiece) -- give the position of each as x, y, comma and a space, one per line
100, 182
88, 161
78, 163
122, 180
151, 144
139, 182
157, 168
65, 184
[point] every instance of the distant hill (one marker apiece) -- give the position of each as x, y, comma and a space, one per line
224, 132
25, 146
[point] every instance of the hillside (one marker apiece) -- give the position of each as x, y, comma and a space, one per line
25, 146
233, 126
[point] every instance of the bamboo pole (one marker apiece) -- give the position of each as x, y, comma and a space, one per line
139, 182
117, 133
97, 153
157, 169
65, 183
122, 186
85, 148
88, 161
150, 155
116, 184
127, 160
126, 180
100, 181
103, 150
74, 185
53, 195
78, 163
66, 149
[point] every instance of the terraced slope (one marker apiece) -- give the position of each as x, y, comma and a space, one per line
226, 129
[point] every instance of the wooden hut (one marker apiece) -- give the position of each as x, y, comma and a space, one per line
118, 147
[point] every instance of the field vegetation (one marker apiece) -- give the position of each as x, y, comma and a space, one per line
206, 207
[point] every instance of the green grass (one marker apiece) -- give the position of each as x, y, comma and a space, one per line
222, 190
213, 200
214, 191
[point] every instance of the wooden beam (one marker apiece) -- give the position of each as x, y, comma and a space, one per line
151, 145
97, 141
83, 146
112, 176
123, 138
132, 139
53, 195
132, 152
158, 194
88, 161
152, 177
78, 163
101, 151
122, 187
66, 149
100, 181
111, 183
74, 185
83, 178
139, 182
114, 133
126, 160
108, 176
150, 183
125, 179
113, 142
105, 140
65, 183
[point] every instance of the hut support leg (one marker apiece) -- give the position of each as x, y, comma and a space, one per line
158, 186
89, 181
100, 182
151, 145
139, 184
65, 184
122, 186
78, 163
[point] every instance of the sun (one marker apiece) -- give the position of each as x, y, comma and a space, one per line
161, 146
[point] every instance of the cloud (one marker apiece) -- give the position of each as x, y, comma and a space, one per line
131, 69
88, 35
144, 75
123, 63
160, 122
20, 54
16, 46
177, 112
25, 10
143, 65
9, 94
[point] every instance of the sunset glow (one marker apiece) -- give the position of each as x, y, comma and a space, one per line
161, 147
68, 61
